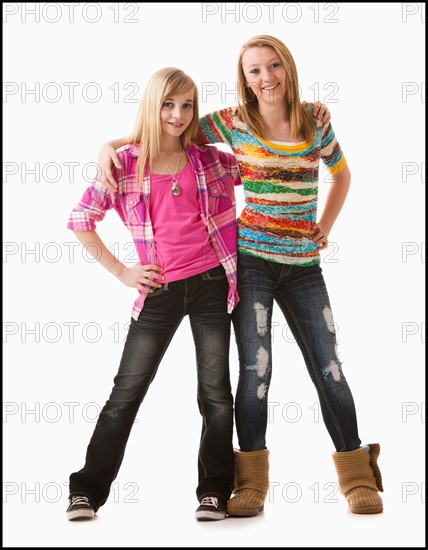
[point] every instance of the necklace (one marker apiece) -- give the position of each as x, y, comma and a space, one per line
175, 189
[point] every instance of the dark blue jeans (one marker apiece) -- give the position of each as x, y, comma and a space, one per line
302, 296
204, 298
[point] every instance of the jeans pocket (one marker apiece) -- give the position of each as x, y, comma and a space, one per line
215, 274
158, 291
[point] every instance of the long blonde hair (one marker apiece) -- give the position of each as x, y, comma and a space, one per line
164, 84
301, 120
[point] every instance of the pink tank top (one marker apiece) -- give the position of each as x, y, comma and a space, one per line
183, 245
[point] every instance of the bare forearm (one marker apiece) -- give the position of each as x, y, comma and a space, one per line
335, 199
98, 250
141, 277
119, 142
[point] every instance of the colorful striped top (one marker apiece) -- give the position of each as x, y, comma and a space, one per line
280, 185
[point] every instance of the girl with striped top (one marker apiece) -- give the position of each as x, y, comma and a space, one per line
278, 144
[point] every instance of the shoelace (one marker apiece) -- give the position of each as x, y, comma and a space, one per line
210, 501
80, 500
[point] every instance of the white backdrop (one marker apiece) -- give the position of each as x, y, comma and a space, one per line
73, 76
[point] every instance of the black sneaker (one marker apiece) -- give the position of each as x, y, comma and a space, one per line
80, 508
211, 508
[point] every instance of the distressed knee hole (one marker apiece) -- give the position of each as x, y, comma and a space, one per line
261, 391
262, 361
333, 368
328, 317
261, 318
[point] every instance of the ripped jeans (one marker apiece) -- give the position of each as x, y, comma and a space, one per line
302, 296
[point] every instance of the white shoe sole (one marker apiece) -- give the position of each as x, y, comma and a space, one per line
80, 514
210, 515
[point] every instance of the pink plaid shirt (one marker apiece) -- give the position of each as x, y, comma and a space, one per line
216, 174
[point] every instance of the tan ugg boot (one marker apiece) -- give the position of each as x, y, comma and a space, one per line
251, 483
360, 479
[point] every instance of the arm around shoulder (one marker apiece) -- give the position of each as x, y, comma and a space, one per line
107, 158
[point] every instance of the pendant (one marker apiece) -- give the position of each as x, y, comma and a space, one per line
176, 189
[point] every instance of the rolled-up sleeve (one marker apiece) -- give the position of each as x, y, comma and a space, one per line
230, 165
92, 207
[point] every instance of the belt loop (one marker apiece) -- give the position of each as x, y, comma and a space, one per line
165, 286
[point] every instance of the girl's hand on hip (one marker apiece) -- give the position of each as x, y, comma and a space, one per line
140, 275
321, 237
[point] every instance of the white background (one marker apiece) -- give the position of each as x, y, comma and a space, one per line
366, 61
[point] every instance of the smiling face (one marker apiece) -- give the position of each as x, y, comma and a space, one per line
264, 74
177, 113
